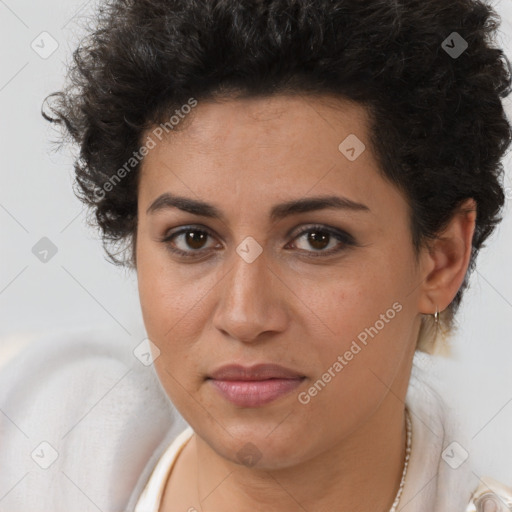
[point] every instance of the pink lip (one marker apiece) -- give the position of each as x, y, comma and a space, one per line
254, 393
255, 385
261, 371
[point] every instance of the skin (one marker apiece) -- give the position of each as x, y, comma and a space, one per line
347, 444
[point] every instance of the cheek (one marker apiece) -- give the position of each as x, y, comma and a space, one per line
353, 298
160, 302
369, 322
174, 309
367, 317
170, 313
165, 294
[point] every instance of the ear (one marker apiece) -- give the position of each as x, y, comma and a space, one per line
444, 263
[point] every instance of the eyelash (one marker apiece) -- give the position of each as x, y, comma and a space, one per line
343, 237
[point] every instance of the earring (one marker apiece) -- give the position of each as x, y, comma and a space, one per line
436, 316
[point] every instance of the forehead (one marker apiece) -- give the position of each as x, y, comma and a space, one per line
283, 117
259, 150
244, 130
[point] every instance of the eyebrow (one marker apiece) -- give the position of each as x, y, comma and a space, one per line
278, 211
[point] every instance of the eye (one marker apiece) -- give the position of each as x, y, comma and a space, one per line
321, 237
180, 242
192, 241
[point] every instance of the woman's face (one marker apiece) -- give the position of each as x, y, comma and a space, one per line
329, 291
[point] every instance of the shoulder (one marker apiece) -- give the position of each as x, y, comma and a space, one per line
492, 496
86, 414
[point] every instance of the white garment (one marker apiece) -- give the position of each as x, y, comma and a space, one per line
89, 400
98, 406
151, 496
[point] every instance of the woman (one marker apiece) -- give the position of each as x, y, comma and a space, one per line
302, 189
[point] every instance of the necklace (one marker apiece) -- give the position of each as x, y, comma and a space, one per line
406, 462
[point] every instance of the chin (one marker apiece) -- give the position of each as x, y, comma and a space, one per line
265, 446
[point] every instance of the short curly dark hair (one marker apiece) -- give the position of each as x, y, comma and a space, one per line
438, 127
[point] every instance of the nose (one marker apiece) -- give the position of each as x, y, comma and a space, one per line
252, 301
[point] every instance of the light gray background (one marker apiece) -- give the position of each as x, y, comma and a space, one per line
78, 288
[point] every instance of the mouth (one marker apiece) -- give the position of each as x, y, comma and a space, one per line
254, 386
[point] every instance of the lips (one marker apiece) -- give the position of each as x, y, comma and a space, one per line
256, 372
256, 385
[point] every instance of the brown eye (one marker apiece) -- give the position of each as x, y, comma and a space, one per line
188, 241
195, 239
323, 241
318, 240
